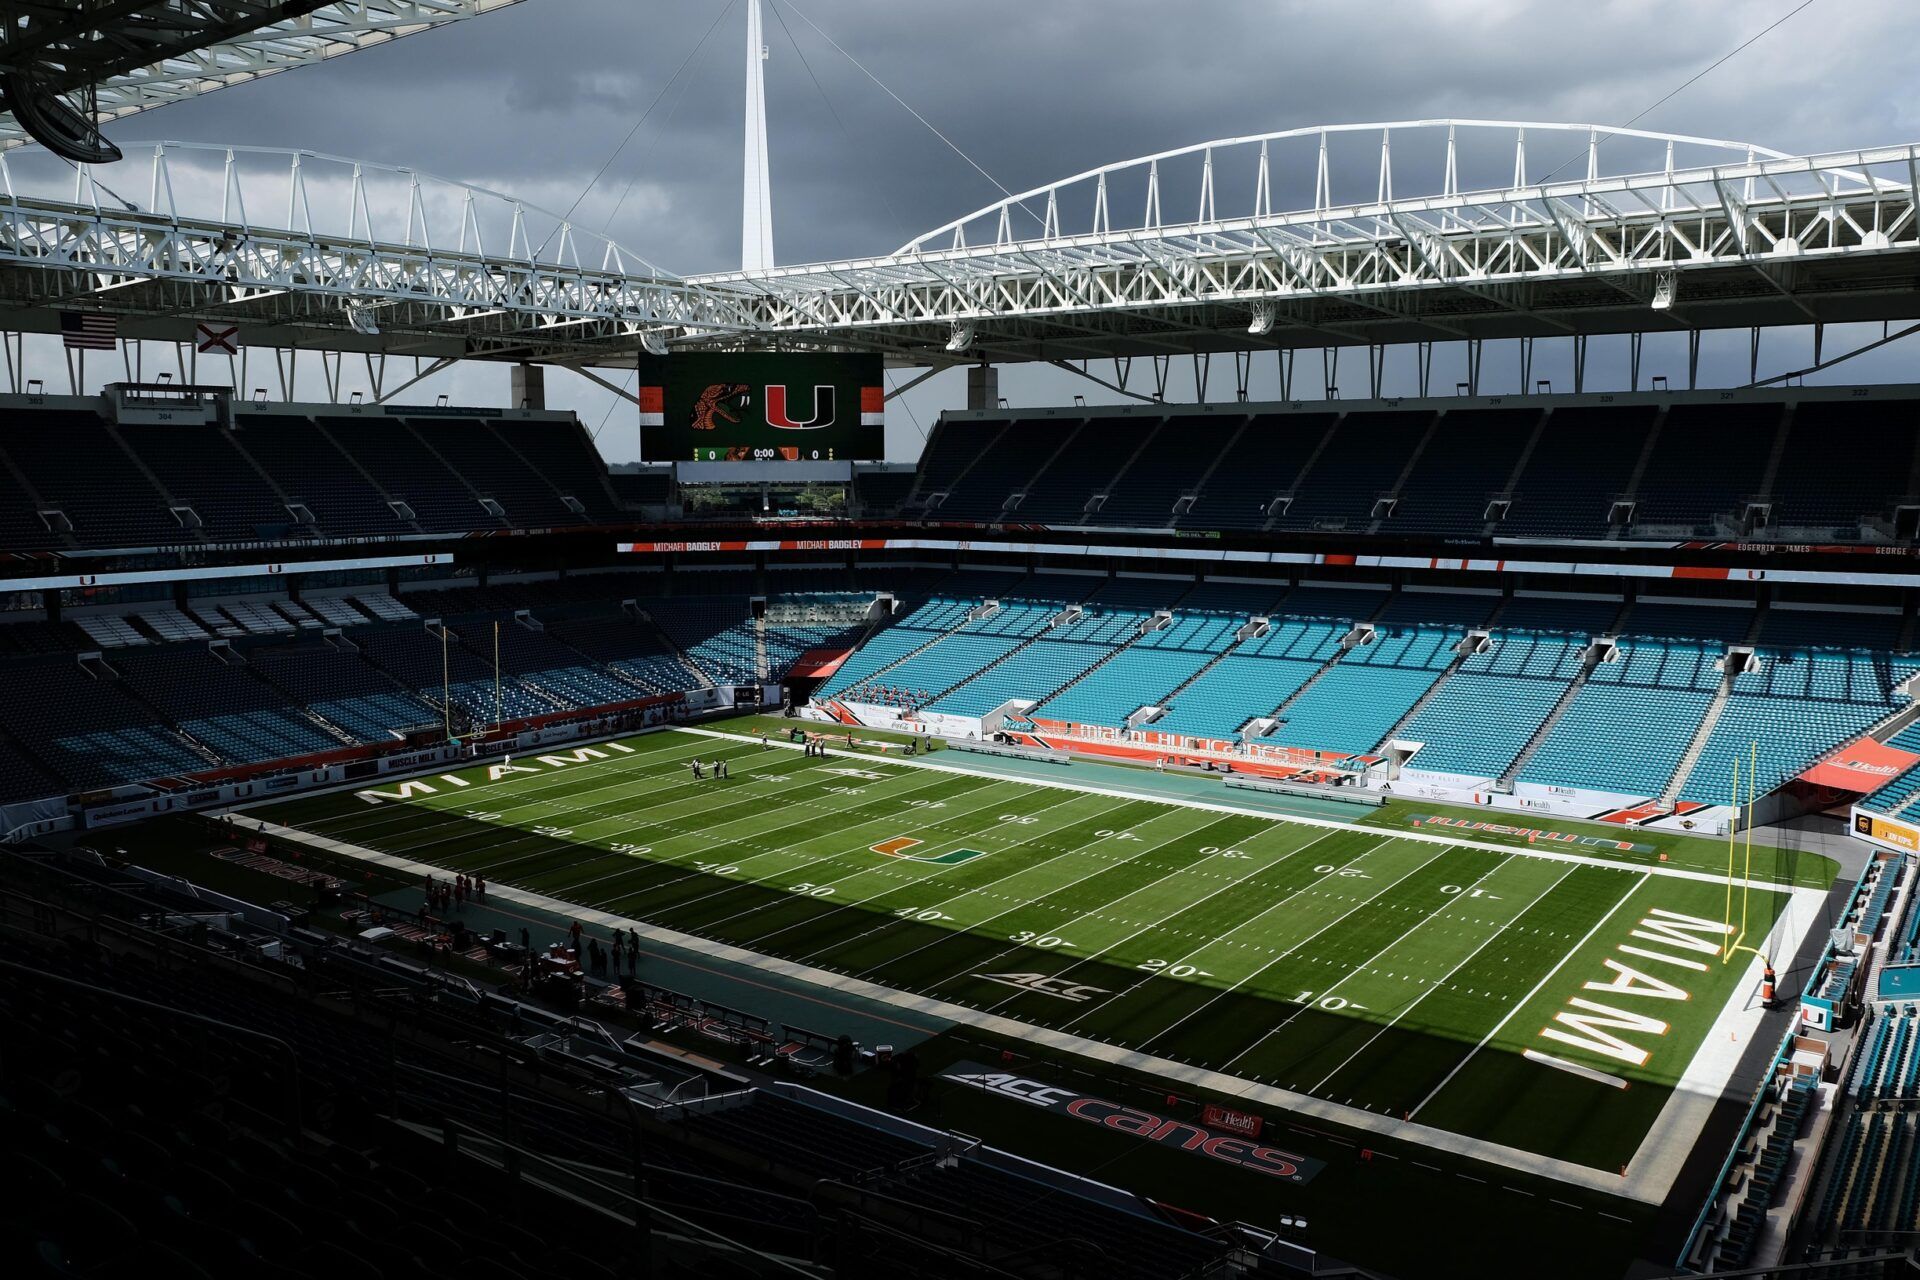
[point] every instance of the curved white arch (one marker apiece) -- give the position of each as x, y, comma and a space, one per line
998, 213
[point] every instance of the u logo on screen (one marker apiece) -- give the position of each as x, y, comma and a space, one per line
823, 409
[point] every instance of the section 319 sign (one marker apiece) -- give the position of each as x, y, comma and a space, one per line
762, 407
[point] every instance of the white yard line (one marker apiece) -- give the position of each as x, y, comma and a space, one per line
1331, 987
747, 814
881, 868
1226, 991
1022, 906
1522, 1002
801, 780
527, 788
1445, 979
1249, 1092
1182, 908
950, 899
851, 874
764, 853
1262, 914
1298, 820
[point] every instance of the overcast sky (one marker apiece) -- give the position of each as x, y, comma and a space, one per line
535, 99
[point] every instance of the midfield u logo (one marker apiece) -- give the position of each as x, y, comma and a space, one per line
824, 409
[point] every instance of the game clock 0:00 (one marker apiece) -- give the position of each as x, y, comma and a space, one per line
759, 453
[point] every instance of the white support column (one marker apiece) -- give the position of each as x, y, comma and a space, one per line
756, 208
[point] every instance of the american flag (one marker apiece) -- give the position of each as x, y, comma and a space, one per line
88, 330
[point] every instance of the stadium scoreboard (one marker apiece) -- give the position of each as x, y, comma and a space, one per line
762, 407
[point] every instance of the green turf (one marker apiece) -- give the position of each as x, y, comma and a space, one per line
1353, 963
1663, 848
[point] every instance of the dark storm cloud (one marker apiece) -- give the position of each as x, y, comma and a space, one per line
533, 99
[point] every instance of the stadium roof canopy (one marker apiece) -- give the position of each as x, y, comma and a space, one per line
1415, 231
1338, 235
141, 54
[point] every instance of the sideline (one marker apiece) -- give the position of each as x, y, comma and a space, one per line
1645, 1181
1211, 806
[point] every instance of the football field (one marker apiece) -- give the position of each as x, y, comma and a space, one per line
1547, 1001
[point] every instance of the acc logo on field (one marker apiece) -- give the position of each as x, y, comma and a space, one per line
1046, 985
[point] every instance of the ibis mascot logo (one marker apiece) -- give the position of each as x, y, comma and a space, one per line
1182, 1135
726, 401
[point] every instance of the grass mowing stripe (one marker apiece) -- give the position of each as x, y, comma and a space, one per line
837, 835
1099, 826
1286, 1050
1425, 971
1168, 966
870, 870
1081, 960
1187, 1003
1298, 978
1407, 1059
1587, 1117
352, 821
1521, 1003
764, 844
1369, 1037
494, 857
357, 827
1104, 886
649, 838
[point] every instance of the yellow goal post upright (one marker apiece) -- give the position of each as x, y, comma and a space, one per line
1738, 944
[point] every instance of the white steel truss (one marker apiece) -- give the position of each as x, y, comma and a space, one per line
1707, 232
390, 258
1411, 232
179, 70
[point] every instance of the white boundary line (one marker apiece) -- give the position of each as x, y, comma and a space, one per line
1446, 977
1525, 851
1646, 1181
1249, 1091
1522, 1002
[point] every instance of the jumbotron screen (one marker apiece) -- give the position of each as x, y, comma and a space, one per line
762, 407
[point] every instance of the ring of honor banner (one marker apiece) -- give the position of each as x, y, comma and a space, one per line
762, 407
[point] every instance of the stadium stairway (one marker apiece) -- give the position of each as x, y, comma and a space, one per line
938, 694
693, 669
100, 669
1119, 649
1639, 472
1382, 523
1433, 690
1027, 485
386, 495
1718, 707
1492, 527
1691, 756
1552, 720
1279, 712
1174, 693
878, 672
1098, 498
1306, 469
439, 455
920, 500
1109, 656
1559, 711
